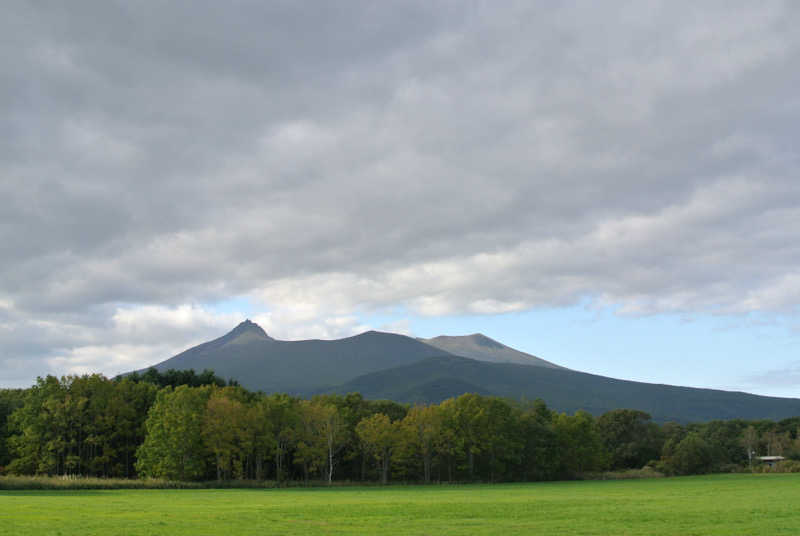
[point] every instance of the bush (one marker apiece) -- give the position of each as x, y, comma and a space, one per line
692, 456
91, 483
645, 472
785, 466
73, 482
730, 468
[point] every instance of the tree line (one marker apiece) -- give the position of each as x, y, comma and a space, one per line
187, 426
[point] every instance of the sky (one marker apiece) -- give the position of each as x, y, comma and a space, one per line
612, 187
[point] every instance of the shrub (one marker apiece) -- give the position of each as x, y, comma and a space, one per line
692, 456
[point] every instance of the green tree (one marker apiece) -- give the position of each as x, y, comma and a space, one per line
127, 410
467, 418
448, 445
421, 428
381, 437
629, 437
777, 442
580, 446
10, 401
279, 414
173, 378
38, 445
79, 425
541, 453
504, 443
311, 448
352, 408
222, 430
173, 447
692, 456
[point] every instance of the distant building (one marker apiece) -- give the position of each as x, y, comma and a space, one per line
771, 460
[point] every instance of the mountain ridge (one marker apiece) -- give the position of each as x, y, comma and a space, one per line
568, 390
405, 369
259, 362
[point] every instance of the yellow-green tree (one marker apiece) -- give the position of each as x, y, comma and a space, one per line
311, 449
223, 428
380, 437
173, 447
420, 429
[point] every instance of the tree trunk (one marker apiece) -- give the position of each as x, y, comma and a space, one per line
330, 466
471, 458
385, 467
278, 466
363, 467
426, 462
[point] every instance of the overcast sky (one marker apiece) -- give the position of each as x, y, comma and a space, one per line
612, 186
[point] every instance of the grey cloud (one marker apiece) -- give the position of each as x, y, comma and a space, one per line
640, 154
782, 378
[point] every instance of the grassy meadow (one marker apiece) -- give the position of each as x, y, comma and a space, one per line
719, 504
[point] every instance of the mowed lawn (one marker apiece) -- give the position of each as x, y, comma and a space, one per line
720, 504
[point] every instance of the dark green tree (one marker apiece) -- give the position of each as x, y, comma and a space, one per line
580, 447
10, 401
541, 453
630, 438
692, 456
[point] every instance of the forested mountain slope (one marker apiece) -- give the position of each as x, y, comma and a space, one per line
565, 390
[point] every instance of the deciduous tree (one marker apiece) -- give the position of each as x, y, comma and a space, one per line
381, 437
421, 428
173, 447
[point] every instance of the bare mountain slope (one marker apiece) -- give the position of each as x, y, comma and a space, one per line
480, 347
259, 362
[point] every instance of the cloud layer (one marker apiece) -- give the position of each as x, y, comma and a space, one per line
440, 157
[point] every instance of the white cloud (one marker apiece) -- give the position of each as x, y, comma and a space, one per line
109, 359
449, 160
143, 322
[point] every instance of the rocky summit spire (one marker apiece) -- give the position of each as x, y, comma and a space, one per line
250, 328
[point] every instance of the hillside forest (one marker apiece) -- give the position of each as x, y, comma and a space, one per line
179, 425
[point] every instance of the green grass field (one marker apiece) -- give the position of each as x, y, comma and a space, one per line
721, 504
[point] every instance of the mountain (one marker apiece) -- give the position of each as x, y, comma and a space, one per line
396, 367
480, 347
563, 390
260, 362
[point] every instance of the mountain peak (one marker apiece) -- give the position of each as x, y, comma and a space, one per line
482, 340
248, 328
478, 339
479, 346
